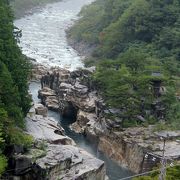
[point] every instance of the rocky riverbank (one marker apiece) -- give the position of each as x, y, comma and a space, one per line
138, 149
82, 48
53, 155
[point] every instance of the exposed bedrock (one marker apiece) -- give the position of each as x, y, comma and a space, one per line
54, 155
138, 149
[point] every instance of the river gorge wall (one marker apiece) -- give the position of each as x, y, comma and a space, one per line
139, 148
53, 155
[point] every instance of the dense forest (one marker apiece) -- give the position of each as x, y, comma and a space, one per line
137, 54
14, 99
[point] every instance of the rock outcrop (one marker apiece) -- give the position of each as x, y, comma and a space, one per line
54, 155
39, 70
84, 121
49, 99
79, 96
68, 162
41, 110
138, 149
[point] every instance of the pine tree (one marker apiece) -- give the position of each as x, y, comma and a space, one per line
12, 57
14, 99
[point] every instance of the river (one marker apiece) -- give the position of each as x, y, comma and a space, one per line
44, 39
114, 171
44, 36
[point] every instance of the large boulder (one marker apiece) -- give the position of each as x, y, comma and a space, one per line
78, 94
49, 98
69, 162
46, 91
52, 103
64, 162
82, 72
58, 159
83, 118
85, 102
38, 71
46, 128
65, 87
20, 163
41, 110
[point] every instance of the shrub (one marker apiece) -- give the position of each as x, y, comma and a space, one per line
3, 164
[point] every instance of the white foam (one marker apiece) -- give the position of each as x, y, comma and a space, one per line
44, 37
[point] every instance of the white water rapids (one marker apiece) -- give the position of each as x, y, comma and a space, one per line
44, 37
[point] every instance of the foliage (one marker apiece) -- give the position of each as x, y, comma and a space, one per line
3, 160
3, 164
173, 173
9, 95
137, 46
127, 83
18, 137
12, 57
116, 25
36, 154
14, 99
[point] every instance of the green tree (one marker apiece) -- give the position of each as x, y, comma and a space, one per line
3, 160
12, 57
14, 99
173, 173
3, 164
137, 45
9, 96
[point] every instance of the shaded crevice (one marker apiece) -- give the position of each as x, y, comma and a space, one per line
70, 112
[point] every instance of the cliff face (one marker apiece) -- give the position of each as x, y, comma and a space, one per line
138, 149
127, 154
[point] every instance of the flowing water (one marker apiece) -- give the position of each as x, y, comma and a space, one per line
44, 36
44, 39
114, 171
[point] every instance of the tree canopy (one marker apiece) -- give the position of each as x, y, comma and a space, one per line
14, 72
137, 50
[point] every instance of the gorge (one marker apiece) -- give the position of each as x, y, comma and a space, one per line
44, 39
108, 106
